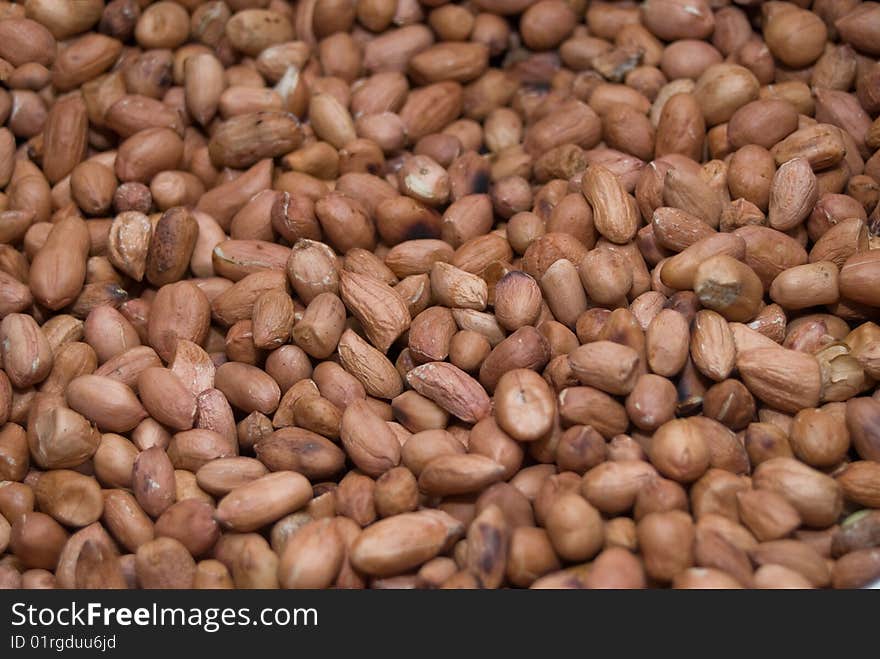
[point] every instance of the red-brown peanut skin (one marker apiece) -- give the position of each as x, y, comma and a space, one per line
440, 295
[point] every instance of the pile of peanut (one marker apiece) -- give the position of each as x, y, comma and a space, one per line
431, 294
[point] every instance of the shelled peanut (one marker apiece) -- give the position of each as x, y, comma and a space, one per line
400, 294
